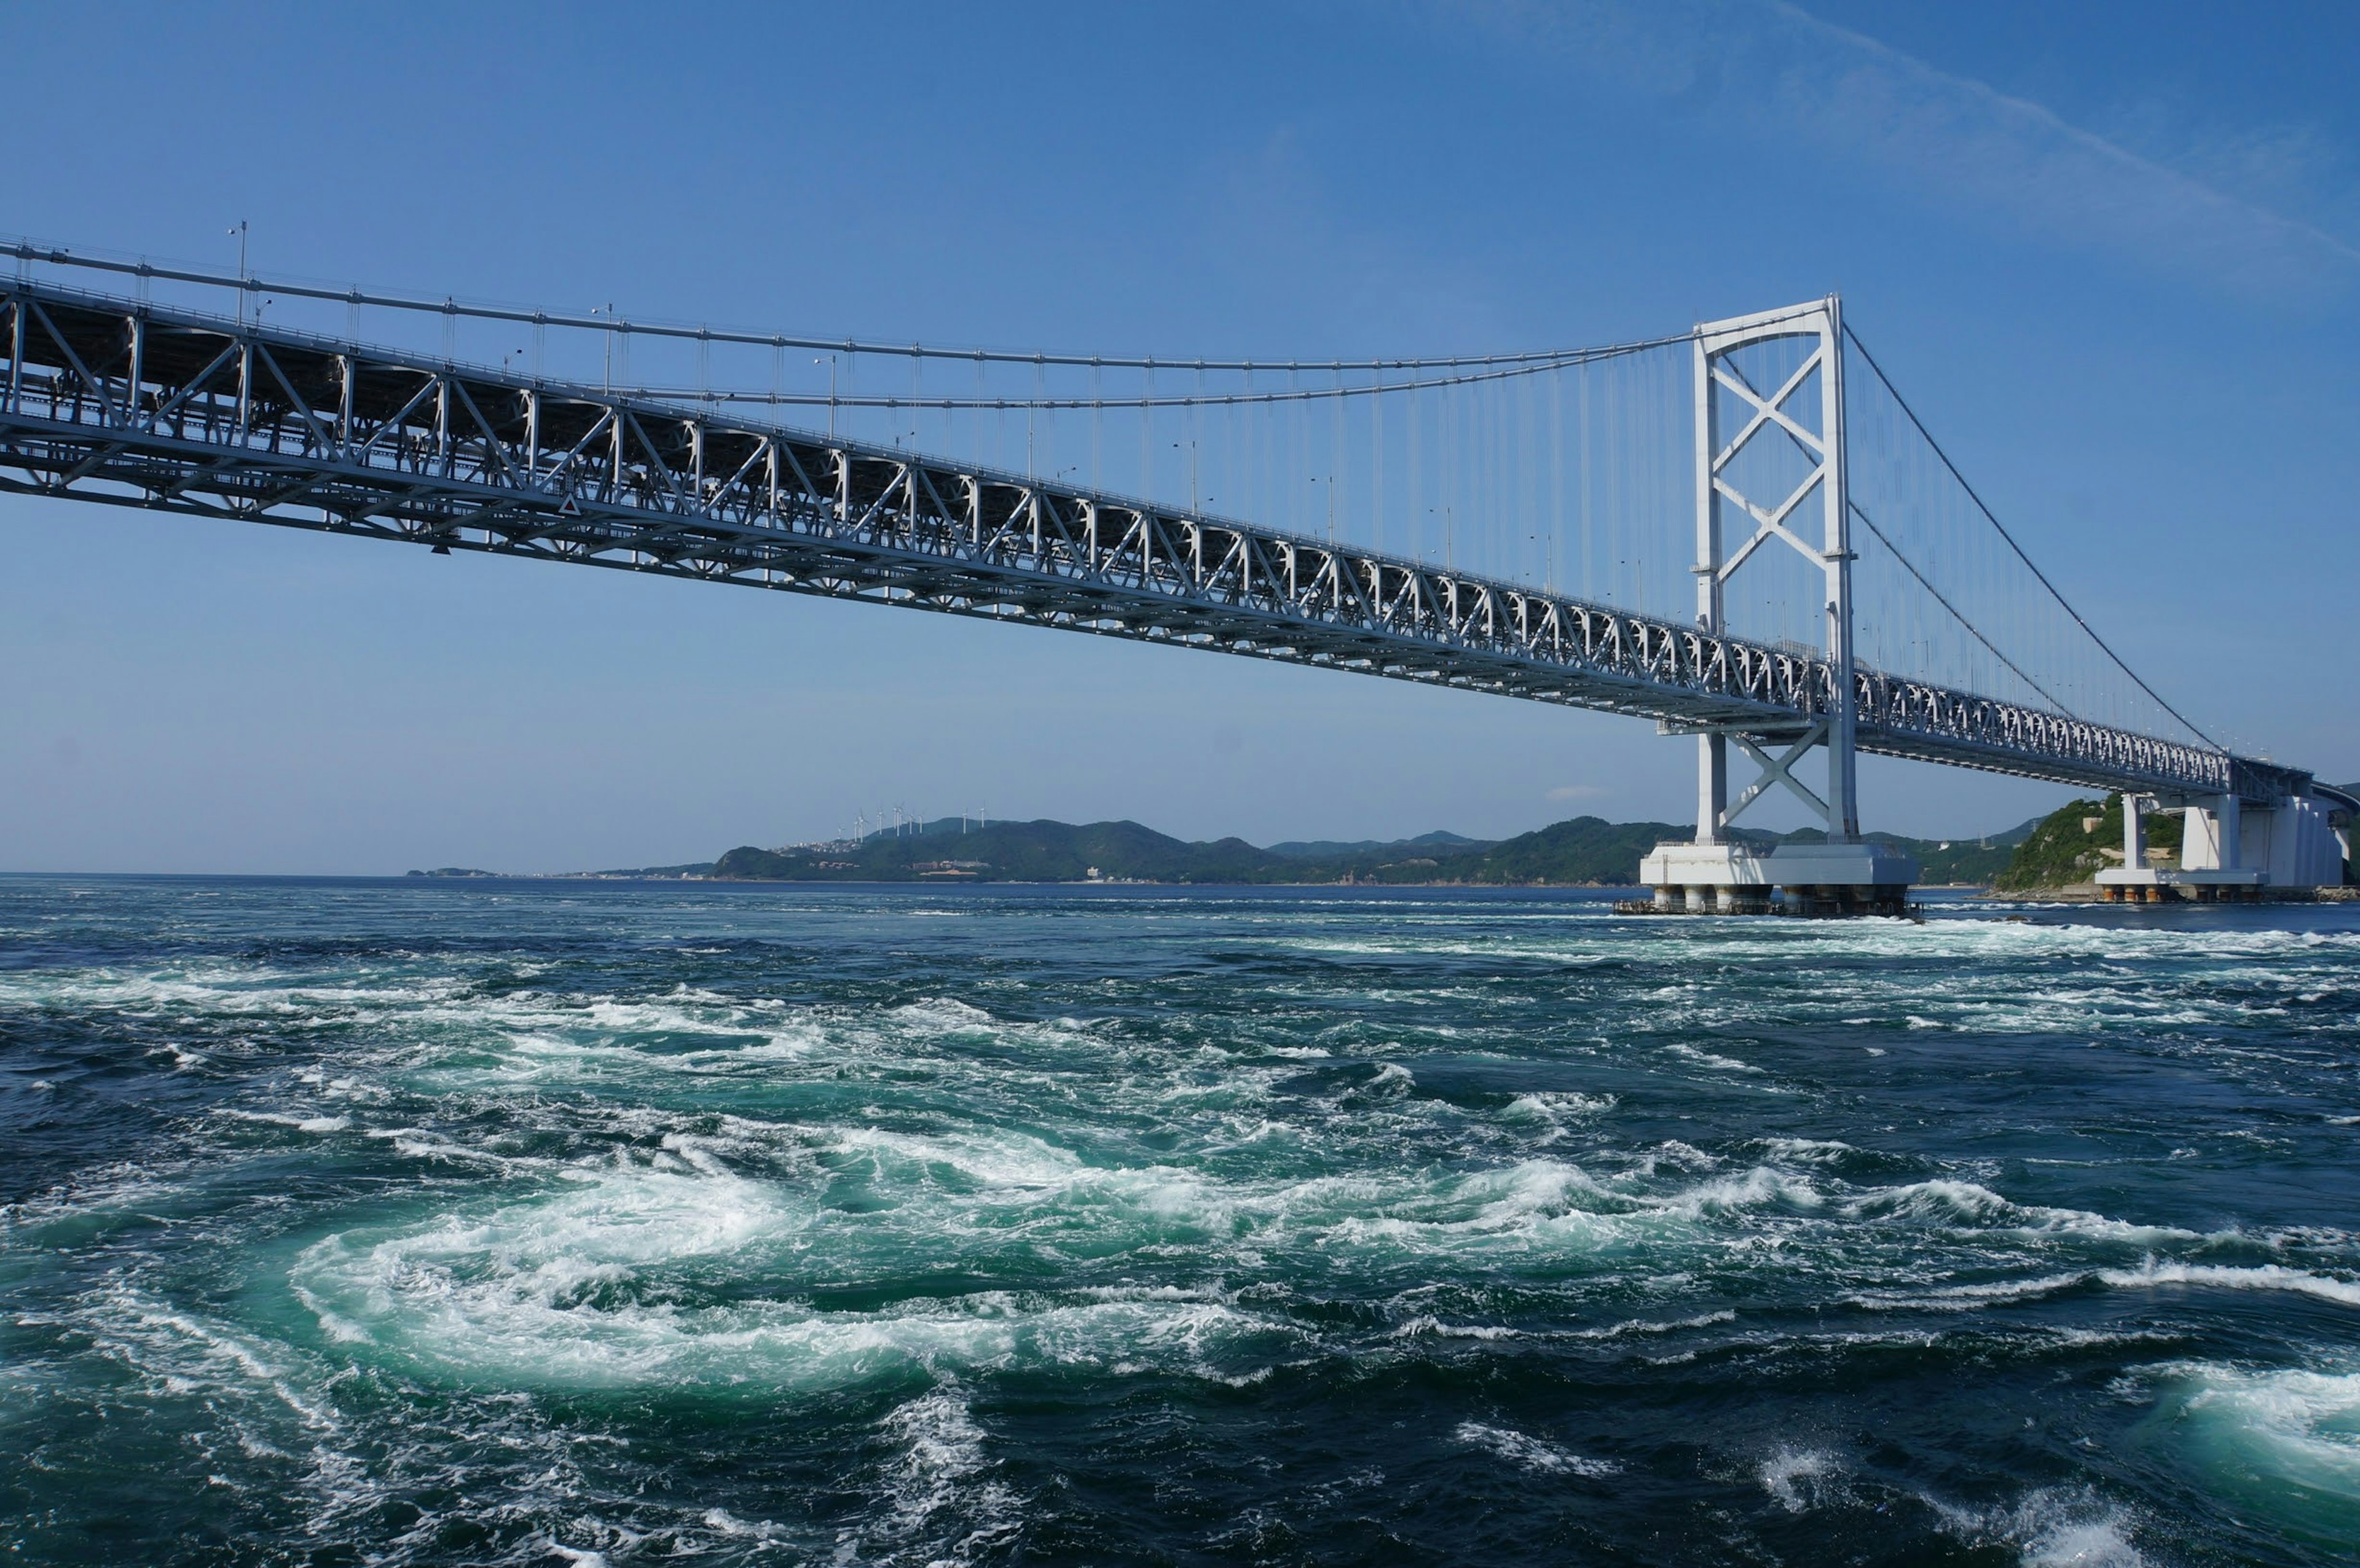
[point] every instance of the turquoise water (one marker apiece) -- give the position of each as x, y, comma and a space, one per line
546, 1222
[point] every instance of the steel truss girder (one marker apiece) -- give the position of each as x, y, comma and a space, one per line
111, 400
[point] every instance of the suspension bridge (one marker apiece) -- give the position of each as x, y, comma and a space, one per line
1740, 531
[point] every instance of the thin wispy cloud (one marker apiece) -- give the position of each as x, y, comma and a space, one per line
1788, 78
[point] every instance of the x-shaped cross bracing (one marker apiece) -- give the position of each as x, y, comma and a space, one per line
1768, 412
1777, 771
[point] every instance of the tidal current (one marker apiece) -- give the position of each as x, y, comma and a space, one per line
353, 1221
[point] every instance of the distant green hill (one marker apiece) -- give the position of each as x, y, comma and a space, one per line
1582, 851
1331, 849
1013, 852
2069, 845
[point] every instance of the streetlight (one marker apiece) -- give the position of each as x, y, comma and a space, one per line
241, 231
606, 378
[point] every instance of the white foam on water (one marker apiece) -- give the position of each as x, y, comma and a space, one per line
502, 1044
1805, 1150
1682, 1157
944, 1015
940, 1497
580, 1557
186, 1351
1551, 1114
1555, 1103
1707, 1059
2154, 1273
148, 1185
2260, 1277
2294, 1427
1799, 1479
213, 990
1969, 1206
601, 1284
994, 1157
1427, 1324
1650, 1325
492, 1288
2055, 1527
1528, 1452
604, 1279
311, 1124
1967, 1297
1761, 1187
729, 1524
270, 1401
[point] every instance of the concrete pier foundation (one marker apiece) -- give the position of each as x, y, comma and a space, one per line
1820, 879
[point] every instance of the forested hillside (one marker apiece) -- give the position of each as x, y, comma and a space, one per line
2072, 844
1582, 851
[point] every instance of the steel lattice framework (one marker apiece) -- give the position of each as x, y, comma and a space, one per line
119, 401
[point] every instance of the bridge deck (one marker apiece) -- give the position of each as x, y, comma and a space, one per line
113, 400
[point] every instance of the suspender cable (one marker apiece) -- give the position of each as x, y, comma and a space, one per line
1936, 447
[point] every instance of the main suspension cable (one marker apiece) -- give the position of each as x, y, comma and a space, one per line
1177, 401
450, 306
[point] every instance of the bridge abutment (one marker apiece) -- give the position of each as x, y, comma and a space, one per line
2233, 848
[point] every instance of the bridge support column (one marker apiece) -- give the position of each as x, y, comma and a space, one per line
1712, 786
1712, 748
1844, 706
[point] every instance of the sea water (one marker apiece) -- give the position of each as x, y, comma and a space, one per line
576, 1223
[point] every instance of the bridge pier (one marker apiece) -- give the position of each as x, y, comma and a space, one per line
2236, 847
1820, 879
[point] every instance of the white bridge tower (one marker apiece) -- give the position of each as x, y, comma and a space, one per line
1804, 412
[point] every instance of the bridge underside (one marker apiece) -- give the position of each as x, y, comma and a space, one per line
110, 400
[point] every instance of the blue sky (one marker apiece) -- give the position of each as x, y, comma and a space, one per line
2113, 254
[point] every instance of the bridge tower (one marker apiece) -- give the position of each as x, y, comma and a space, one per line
1769, 503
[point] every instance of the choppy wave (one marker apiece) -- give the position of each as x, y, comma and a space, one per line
755, 1226
2284, 1440
2051, 1528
